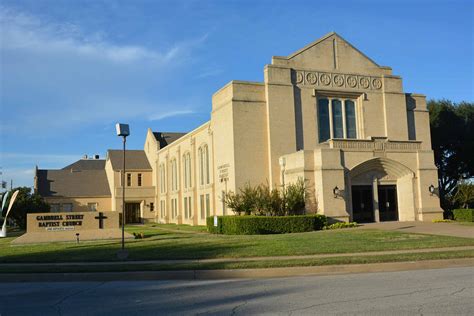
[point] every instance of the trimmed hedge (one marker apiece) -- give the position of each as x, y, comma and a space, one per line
464, 214
259, 225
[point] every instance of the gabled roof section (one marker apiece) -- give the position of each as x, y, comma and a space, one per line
134, 159
331, 53
72, 183
325, 37
87, 164
166, 138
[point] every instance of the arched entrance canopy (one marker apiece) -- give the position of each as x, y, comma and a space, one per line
389, 166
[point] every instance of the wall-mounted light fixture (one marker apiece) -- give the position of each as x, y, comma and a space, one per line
432, 189
336, 191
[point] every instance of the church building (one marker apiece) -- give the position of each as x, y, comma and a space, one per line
326, 113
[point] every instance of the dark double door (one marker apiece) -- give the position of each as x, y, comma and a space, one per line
388, 210
363, 203
132, 213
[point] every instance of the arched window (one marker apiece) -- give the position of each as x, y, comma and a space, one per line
174, 175
162, 178
187, 170
206, 157
201, 166
204, 177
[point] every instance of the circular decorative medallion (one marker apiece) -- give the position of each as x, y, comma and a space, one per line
299, 77
311, 78
325, 79
376, 83
338, 80
352, 81
364, 82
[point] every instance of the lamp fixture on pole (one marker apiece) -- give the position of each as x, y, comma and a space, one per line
123, 130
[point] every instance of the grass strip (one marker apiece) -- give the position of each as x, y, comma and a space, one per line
246, 264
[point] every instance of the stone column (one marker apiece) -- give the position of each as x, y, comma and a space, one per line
375, 199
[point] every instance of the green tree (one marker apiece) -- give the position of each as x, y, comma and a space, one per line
452, 137
464, 194
26, 202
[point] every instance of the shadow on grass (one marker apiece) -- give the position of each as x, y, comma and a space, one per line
139, 249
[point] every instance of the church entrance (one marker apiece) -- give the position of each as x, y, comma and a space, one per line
388, 208
362, 204
132, 213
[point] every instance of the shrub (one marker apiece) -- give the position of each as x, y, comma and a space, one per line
464, 215
341, 225
464, 194
442, 221
256, 225
139, 235
263, 200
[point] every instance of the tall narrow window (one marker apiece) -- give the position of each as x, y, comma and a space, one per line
201, 197
201, 166
187, 170
163, 208
188, 160
174, 175
206, 157
323, 120
174, 208
129, 179
208, 206
190, 208
152, 207
162, 179
186, 207
139, 180
338, 129
204, 175
350, 119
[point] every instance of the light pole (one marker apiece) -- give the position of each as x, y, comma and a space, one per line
124, 131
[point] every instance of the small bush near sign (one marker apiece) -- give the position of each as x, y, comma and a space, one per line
259, 225
464, 215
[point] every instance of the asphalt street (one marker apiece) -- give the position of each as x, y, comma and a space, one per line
421, 292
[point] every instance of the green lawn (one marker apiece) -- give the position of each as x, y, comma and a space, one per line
192, 243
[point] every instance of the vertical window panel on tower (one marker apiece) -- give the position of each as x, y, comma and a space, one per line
323, 120
350, 119
338, 130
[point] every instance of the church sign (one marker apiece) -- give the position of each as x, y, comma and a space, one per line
71, 226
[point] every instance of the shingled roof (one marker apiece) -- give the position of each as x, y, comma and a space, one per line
87, 164
72, 183
135, 159
166, 138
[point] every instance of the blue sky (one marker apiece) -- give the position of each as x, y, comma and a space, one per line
71, 69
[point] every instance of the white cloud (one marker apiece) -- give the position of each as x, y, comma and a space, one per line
162, 116
57, 79
22, 31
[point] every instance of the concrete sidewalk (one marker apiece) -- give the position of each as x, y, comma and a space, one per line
444, 229
240, 259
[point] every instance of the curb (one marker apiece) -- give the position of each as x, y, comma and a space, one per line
237, 273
